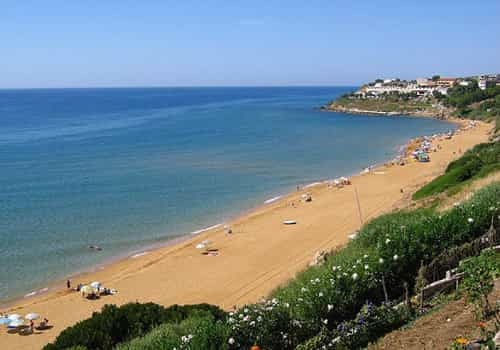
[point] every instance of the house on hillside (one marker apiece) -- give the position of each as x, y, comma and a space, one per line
446, 82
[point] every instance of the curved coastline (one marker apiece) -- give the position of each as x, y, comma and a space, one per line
56, 285
255, 233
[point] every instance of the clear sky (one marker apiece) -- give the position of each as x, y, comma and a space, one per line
70, 43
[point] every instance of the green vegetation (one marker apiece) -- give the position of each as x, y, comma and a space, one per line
199, 332
402, 103
480, 273
342, 304
478, 162
473, 103
115, 324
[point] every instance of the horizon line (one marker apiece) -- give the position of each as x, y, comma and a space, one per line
170, 86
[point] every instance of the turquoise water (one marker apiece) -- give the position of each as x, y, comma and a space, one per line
128, 168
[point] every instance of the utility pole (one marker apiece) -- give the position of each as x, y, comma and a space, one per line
359, 206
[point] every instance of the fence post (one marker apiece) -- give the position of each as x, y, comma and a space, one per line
385, 290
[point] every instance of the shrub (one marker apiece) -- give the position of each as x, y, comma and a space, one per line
204, 333
450, 259
475, 163
370, 323
115, 324
480, 273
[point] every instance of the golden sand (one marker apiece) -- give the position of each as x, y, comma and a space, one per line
258, 256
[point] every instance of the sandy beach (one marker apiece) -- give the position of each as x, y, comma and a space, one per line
259, 255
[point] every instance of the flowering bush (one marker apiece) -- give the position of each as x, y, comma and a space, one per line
197, 332
370, 323
478, 281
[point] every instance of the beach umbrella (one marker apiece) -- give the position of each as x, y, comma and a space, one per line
5, 320
32, 316
95, 285
200, 246
87, 289
16, 323
14, 317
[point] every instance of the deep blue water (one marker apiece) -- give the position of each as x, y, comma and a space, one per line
128, 168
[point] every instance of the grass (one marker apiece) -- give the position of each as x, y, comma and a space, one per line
384, 105
476, 163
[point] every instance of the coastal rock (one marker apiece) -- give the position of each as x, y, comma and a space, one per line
319, 258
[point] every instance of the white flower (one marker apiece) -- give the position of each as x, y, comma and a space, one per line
330, 307
252, 323
470, 220
275, 301
395, 257
246, 318
354, 276
300, 299
245, 311
303, 289
387, 241
287, 305
325, 321
358, 261
334, 268
365, 256
259, 318
320, 294
231, 341
367, 267
380, 261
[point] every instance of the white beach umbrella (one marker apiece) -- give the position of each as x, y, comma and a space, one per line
96, 285
16, 323
14, 317
32, 316
200, 246
87, 289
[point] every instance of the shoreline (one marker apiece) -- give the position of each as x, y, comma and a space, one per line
264, 221
57, 284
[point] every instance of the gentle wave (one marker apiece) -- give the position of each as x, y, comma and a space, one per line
205, 229
139, 254
271, 200
313, 184
40, 291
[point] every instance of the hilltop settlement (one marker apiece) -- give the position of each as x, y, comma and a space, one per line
474, 97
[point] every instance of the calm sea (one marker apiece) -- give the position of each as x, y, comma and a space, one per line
128, 168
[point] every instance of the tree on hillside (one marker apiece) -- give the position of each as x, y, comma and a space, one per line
436, 77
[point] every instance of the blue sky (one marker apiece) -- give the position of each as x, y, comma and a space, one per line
191, 43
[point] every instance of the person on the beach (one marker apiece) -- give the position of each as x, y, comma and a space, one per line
32, 325
68, 284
